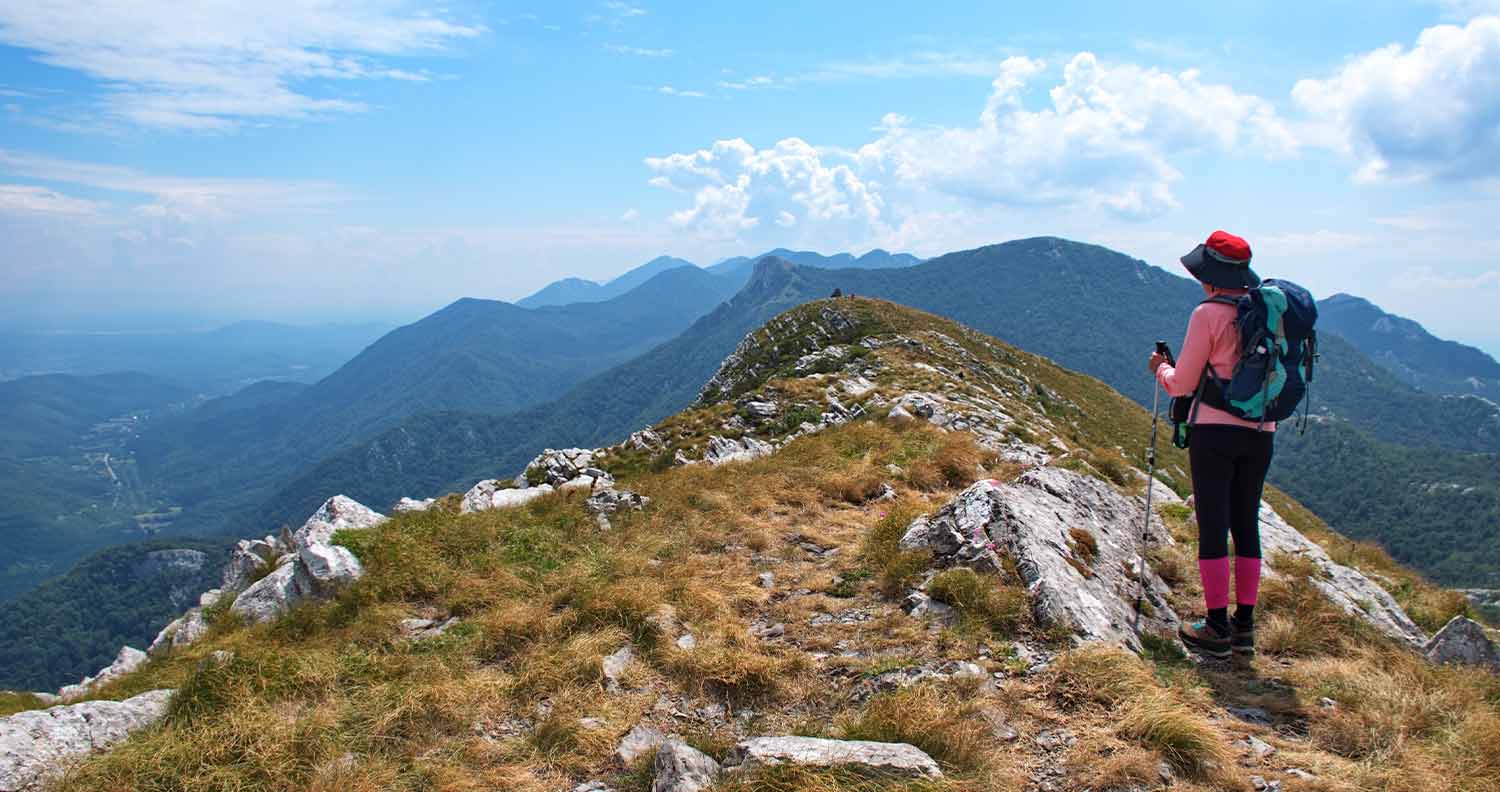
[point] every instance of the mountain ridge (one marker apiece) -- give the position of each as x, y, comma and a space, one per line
1412, 353
896, 554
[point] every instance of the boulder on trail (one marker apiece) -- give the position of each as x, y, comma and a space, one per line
875, 758
1074, 540
1345, 587
1463, 641
38, 745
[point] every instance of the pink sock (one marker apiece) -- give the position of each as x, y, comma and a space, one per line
1246, 580
1214, 572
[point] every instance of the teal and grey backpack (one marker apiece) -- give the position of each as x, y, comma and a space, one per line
1278, 344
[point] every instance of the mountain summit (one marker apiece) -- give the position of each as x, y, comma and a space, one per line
880, 551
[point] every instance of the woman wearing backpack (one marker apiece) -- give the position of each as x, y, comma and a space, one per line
1229, 456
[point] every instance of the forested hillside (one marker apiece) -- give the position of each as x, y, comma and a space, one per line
71, 626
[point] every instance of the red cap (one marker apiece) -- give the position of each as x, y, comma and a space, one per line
1228, 247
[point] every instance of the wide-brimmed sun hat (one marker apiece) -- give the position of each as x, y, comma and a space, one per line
1222, 261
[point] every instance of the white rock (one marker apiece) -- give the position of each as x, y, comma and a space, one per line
560, 466
722, 450
896, 759
1463, 641
38, 745
590, 480
414, 505
680, 767
1032, 522
338, 513
1345, 587
331, 566
492, 494
613, 666
609, 501
641, 740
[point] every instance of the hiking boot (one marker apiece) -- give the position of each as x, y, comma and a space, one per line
1242, 639
1205, 639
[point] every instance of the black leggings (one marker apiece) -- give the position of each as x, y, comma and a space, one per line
1229, 471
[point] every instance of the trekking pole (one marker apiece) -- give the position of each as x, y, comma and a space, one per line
1140, 573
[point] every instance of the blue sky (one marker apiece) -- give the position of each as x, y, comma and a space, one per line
327, 160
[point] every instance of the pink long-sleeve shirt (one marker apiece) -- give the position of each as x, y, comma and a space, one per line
1211, 338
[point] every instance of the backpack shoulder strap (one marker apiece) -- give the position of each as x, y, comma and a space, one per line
1233, 302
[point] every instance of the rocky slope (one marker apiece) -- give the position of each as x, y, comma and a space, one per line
880, 552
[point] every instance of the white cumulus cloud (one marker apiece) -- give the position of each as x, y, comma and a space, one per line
1429, 112
736, 186
1104, 138
214, 65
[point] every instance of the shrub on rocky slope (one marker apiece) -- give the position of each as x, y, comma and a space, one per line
794, 519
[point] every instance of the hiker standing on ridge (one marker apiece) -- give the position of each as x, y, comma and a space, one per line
1229, 455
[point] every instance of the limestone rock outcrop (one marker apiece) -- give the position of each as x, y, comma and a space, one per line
315, 568
569, 468
894, 759
37, 745
413, 505
1344, 586
496, 494
1075, 541
722, 450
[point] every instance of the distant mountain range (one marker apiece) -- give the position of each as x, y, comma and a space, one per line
735, 271
1407, 349
578, 290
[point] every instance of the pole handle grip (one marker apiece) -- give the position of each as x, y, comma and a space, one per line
1166, 352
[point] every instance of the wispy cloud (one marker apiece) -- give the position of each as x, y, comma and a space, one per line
180, 198
670, 91
750, 84
31, 199
614, 14
218, 65
916, 64
624, 9
643, 52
